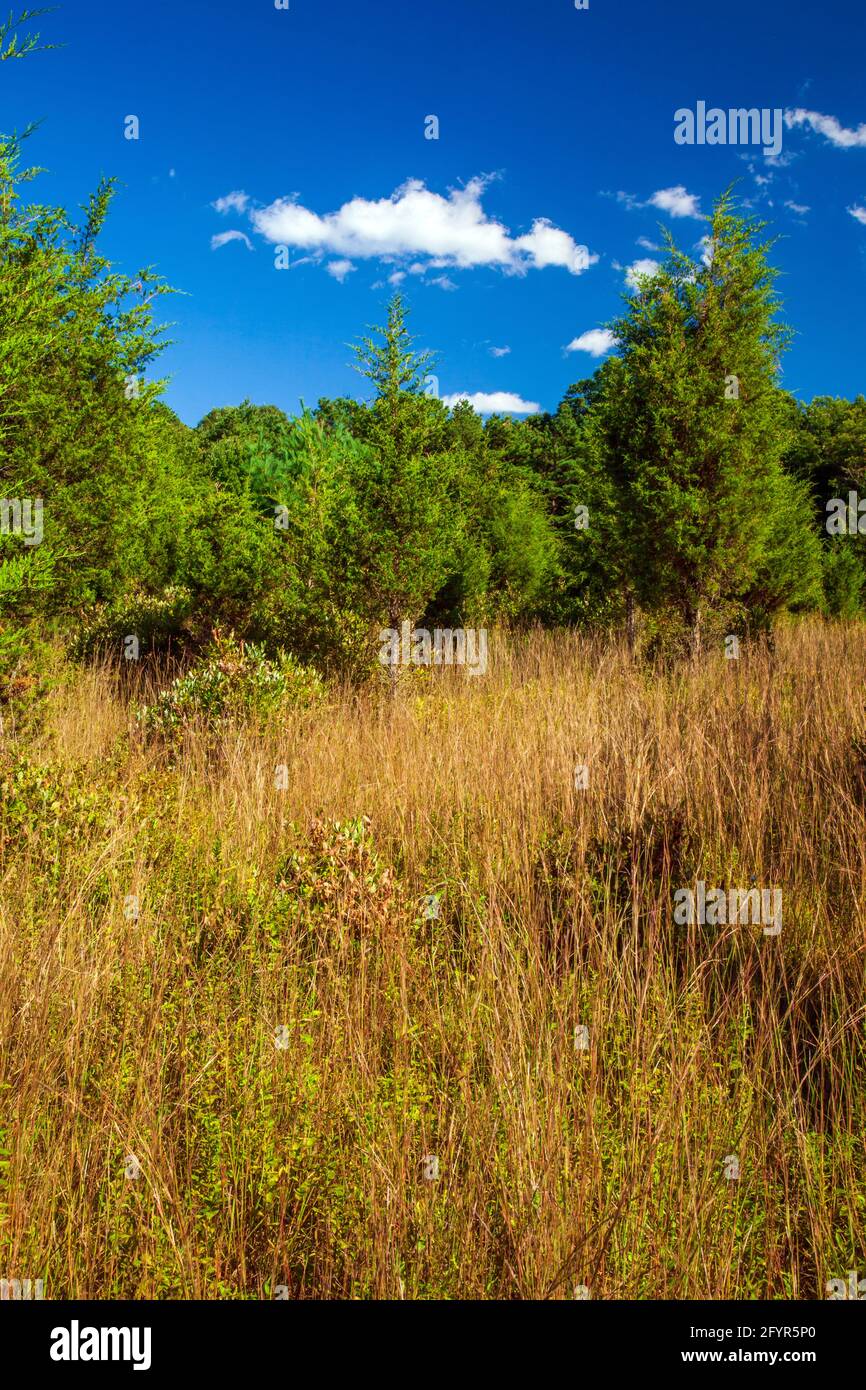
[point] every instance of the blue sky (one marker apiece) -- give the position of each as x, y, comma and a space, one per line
555, 164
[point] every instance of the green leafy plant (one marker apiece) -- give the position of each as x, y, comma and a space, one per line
233, 680
153, 618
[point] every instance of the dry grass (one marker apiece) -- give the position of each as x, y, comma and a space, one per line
294, 918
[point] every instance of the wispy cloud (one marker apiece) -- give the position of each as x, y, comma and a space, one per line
859, 213
232, 202
675, 201
223, 238
452, 232
828, 126
595, 341
800, 208
340, 269
493, 403
499, 351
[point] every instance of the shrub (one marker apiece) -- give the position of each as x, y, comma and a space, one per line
233, 680
843, 579
153, 618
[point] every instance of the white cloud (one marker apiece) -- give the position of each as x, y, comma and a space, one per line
443, 281
799, 208
707, 249
339, 269
452, 231
232, 202
223, 238
859, 213
596, 341
638, 268
397, 278
829, 127
493, 403
646, 243
499, 352
547, 245
676, 201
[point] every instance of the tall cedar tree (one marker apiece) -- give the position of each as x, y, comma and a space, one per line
693, 425
407, 495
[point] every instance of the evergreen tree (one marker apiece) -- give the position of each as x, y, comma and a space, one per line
828, 453
406, 492
693, 427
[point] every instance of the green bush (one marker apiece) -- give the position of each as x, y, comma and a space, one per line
844, 578
153, 618
233, 680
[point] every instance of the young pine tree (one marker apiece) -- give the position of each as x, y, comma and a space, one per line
408, 527
693, 428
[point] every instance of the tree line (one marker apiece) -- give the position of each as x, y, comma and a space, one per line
680, 491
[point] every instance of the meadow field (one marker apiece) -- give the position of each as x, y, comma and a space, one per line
414, 1018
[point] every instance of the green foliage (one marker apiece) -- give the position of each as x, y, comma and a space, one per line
78, 427
844, 578
49, 807
692, 428
312, 534
404, 528
75, 339
25, 577
153, 618
11, 46
233, 680
522, 549
828, 453
828, 447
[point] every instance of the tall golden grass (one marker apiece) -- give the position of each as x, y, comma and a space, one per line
281, 1035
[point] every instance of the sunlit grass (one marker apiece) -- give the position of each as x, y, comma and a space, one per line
280, 1036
